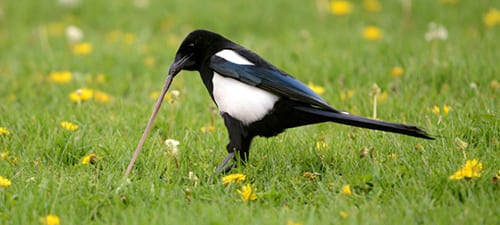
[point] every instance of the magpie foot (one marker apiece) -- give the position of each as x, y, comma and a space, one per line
222, 168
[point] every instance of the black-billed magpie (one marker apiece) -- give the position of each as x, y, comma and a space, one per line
254, 97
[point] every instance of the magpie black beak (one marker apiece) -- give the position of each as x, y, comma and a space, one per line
178, 65
175, 68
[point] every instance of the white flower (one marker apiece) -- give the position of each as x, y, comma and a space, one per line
436, 32
176, 93
172, 146
74, 34
193, 178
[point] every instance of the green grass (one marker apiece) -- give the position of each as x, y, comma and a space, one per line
396, 185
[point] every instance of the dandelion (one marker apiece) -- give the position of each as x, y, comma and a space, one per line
154, 95
382, 97
316, 88
343, 214
247, 193
101, 78
209, 128
346, 190
436, 110
51, 219
193, 178
397, 72
341, 7
90, 158
346, 95
291, 222
372, 33
150, 61
68, 126
321, 145
129, 38
4, 131
471, 169
436, 32
233, 178
172, 147
81, 95
83, 48
495, 84
4, 182
492, 18
74, 34
4, 155
101, 96
372, 5
60, 77
446, 109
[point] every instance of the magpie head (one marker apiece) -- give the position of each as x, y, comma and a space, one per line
196, 47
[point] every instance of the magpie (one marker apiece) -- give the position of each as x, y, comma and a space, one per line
254, 97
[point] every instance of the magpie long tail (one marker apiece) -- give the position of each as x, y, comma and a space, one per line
358, 121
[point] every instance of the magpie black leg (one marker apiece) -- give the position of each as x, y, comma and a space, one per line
239, 140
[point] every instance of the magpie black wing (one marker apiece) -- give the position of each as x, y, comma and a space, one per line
270, 80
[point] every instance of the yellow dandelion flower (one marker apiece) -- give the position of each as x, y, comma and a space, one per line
291, 222
129, 38
81, 95
346, 95
346, 190
382, 97
150, 61
51, 219
392, 156
55, 29
60, 77
90, 158
492, 18
101, 78
83, 48
495, 84
343, 214
397, 72
341, 7
154, 95
316, 88
4, 131
436, 110
372, 33
372, 5
233, 178
446, 109
4, 182
321, 145
101, 96
69, 126
3, 155
471, 169
208, 128
247, 193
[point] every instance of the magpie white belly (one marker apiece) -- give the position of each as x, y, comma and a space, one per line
241, 101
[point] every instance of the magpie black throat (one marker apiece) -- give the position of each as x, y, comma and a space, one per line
255, 98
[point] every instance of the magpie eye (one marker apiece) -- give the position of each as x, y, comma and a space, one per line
191, 45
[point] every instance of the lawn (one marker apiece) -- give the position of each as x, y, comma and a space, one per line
78, 80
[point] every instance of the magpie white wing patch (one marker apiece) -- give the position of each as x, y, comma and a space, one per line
243, 102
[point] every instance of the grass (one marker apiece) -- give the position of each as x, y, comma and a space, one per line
404, 180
